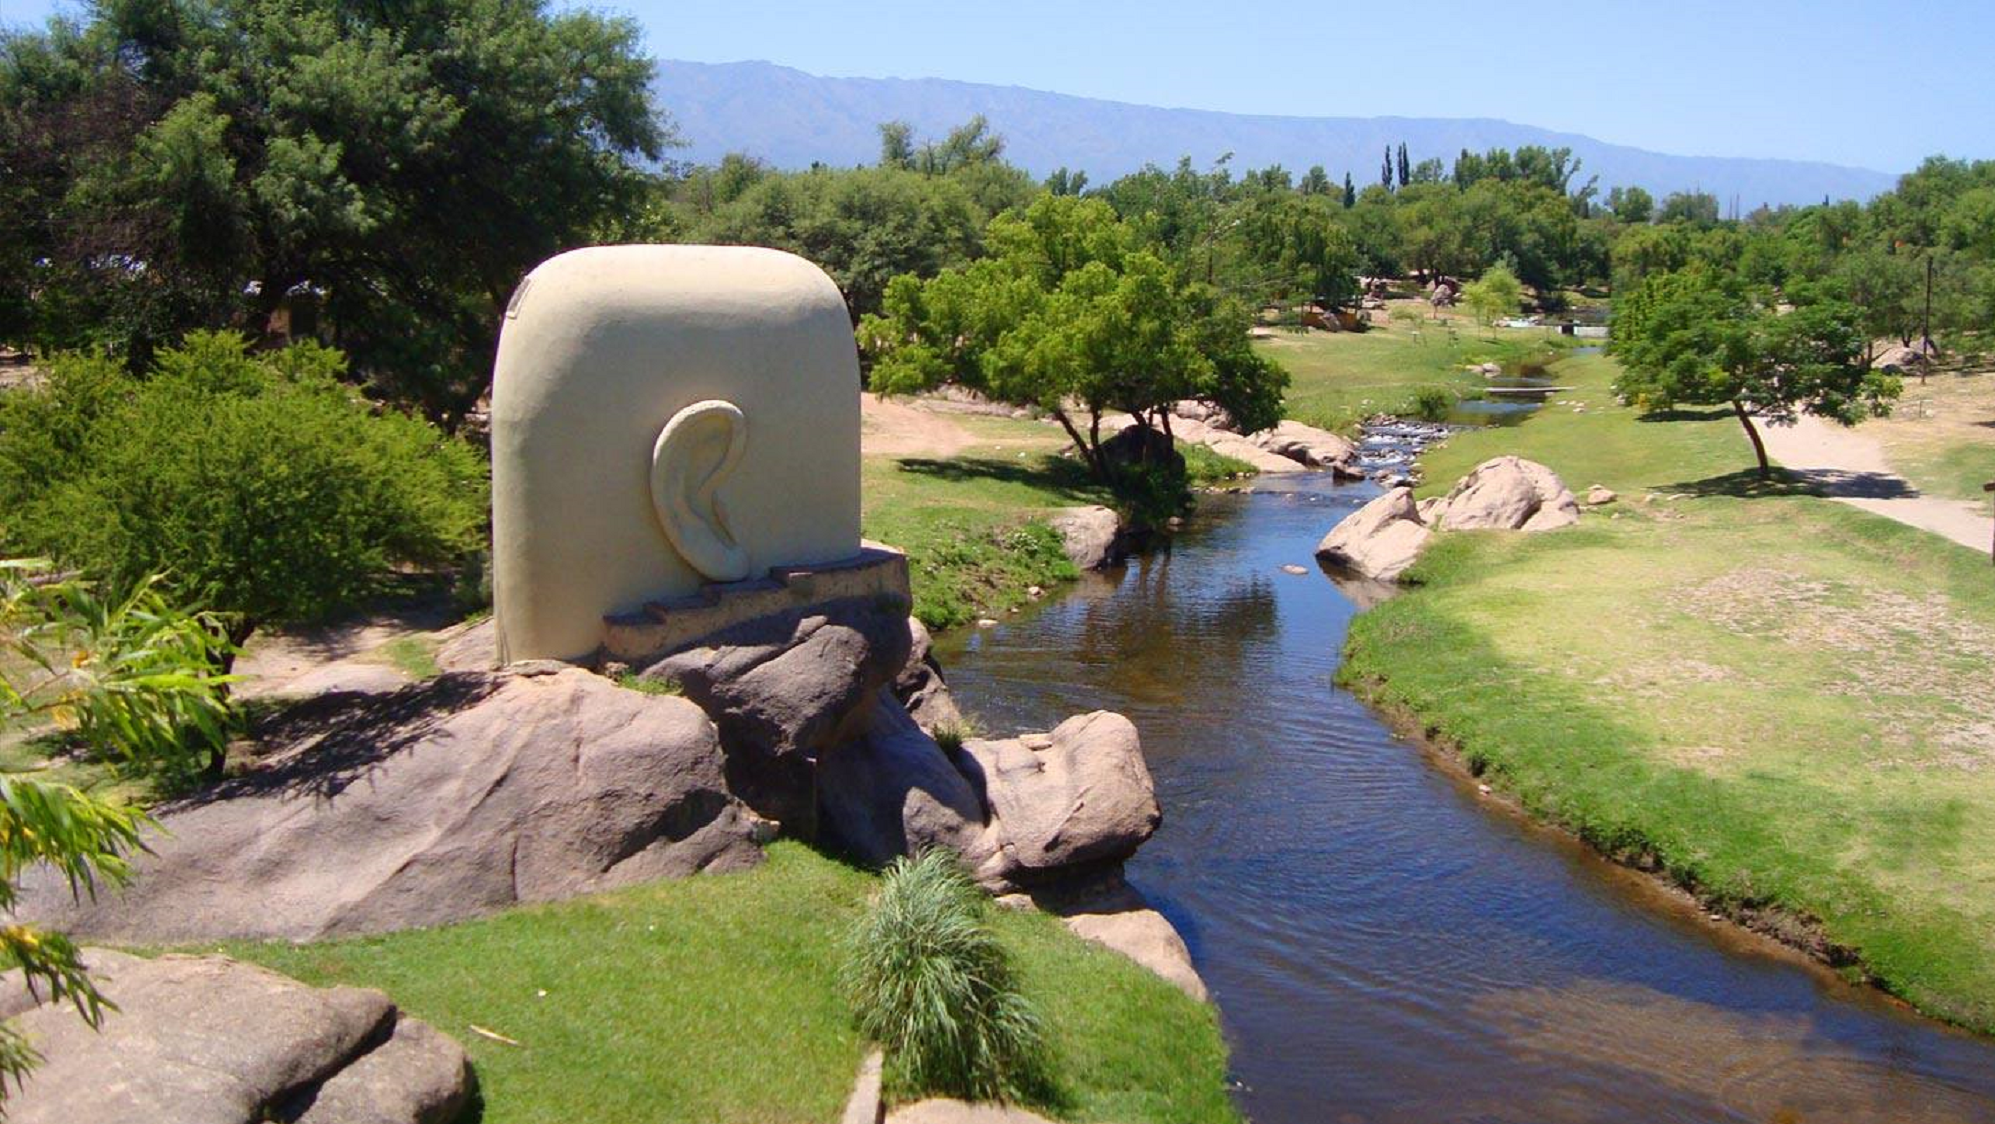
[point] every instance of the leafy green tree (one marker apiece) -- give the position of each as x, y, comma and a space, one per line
1065, 182
1075, 314
1350, 192
1631, 204
258, 483
1314, 182
1695, 338
201, 163
1691, 208
864, 226
1494, 295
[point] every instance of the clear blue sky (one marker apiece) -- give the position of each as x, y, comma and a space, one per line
1877, 84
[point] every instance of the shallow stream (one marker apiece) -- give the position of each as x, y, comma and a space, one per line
1383, 943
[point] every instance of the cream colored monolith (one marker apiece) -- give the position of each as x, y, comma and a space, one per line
664, 417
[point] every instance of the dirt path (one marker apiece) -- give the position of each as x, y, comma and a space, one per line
1850, 467
892, 427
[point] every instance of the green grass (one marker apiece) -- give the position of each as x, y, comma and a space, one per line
1339, 378
1775, 699
716, 999
972, 524
413, 656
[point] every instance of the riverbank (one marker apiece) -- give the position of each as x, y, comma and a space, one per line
1340, 378
1771, 699
716, 998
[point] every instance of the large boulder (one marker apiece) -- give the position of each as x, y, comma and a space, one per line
920, 686
210, 1040
1308, 445
461, 796
783, 688
1078, 797
1092, 536
891, 790
1508, 493
1379, 540
1241, 449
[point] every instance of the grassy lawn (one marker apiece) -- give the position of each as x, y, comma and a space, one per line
1775, 699
714, 999
1339, 378
1942, 434
969, 521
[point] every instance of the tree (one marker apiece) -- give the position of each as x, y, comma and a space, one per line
263, 487
1385, 170
1405, 168
1494, 295
864, 226
205, 163
1064, 182
897, 145
1072, 313
1631, 205
1315, 182
1691, 208
1692, 337
1350, 192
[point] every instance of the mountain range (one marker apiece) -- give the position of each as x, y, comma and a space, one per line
793, 119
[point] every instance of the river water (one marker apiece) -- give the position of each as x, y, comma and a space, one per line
1383, 943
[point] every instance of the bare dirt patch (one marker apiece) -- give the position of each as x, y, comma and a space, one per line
892, 427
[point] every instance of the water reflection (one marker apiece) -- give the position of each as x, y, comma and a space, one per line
1382, 947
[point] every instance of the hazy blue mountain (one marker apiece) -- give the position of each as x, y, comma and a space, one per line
792, 119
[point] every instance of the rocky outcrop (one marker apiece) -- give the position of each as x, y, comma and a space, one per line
1115, 915
1310, 446
891, 790
1383, 538
920, 686
1080, 796
210, 1040
457, 797
1379, 540
782, 689
1091, 536
1508, 493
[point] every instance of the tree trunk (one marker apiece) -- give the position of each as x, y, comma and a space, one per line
1090, 451
1759, 446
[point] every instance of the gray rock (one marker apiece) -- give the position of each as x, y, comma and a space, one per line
418, 1076
1600, 494
781, 689
1079, 796
1092, 536
1306, 444
1379, 540
920, 685
450, 799
469, 647
1122, 920
892, 791
210, 1040
1509, 493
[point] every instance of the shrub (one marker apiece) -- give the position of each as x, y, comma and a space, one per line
259, 484
1430, 403
928, 979
131, 676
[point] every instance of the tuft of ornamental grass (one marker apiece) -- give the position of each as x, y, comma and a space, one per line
928, 979
950, 734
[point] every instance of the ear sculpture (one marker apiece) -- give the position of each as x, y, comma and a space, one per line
695, 454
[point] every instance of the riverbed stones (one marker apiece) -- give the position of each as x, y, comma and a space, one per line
212, 1040
1509, 493
1079, 796
1379, 540
458, 797
1091, 536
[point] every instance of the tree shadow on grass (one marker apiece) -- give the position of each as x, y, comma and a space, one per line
1830, 483
1064, 478
1679, 414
